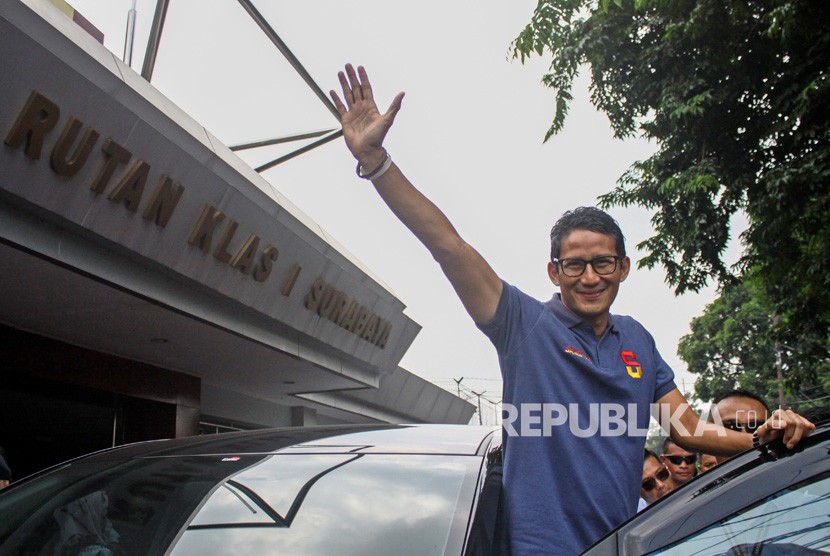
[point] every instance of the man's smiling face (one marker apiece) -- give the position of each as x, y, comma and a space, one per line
589, 295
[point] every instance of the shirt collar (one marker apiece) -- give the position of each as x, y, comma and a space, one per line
571, 319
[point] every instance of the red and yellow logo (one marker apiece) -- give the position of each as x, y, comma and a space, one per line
630, 359
577, 352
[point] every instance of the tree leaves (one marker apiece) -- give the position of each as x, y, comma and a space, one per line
734, 93
733, 344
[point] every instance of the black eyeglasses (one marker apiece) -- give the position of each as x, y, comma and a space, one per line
603, 266
676, 460
741, 427
650, 482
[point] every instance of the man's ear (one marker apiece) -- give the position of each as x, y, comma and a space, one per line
553, 273
625, 267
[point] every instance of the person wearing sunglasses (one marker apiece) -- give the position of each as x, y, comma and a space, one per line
679, 461
565, 362
739, 410
656, 481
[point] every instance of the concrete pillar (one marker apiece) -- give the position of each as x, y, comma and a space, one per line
302, 416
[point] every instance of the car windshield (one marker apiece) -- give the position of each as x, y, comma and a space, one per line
263, 504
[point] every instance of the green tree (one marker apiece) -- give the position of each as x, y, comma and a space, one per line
731, 344
734, 94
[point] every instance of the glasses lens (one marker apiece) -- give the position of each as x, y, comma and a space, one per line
651, 482
740, 427
733, 426
572, 267
604, 265
677, 460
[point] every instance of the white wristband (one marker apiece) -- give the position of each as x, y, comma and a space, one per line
379, 171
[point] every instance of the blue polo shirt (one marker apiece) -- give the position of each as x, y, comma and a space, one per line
575, 419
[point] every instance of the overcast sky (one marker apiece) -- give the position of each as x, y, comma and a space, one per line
469, 136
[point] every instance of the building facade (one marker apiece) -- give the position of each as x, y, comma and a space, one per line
153, 285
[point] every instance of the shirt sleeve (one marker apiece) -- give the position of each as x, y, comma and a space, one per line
664, 382
516, 315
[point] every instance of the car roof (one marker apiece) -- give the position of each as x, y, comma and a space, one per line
366, 439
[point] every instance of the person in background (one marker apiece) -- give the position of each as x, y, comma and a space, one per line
739, 410
705, 462
656, 480
679, 461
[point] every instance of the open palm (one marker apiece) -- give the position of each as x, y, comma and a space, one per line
364, 127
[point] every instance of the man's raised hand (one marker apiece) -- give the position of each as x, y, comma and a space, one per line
364, 127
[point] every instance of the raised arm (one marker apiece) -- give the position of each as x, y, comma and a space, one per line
364, 129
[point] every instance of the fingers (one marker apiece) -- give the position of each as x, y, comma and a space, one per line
356, 87
798, 427
394, 107
351, 85
337, 103
357, 93
348, 95
365, 86
791, 426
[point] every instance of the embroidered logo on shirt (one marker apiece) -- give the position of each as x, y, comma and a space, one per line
630, 359
577, 352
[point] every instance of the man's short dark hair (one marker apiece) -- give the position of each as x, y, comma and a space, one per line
649, 454
668, 441
741, 393
585, 218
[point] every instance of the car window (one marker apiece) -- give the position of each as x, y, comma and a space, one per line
251, 504
378, 504
792, 522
